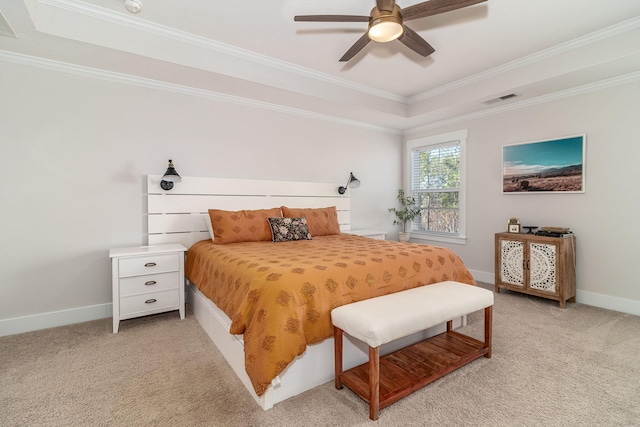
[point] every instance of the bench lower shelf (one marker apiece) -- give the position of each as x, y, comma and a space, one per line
411, 368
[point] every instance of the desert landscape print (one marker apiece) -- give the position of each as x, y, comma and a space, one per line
554, 165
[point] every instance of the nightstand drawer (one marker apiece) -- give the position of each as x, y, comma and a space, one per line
149, 283
138, 305
160, 263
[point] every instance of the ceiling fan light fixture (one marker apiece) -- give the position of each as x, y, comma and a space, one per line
385, 31
385, 26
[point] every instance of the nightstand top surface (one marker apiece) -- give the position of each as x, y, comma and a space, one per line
146, 250
365, 232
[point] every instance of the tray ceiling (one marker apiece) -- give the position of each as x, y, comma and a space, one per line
253, 51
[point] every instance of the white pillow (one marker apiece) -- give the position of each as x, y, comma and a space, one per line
207, 220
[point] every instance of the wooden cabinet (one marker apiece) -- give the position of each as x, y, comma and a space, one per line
536, 265
147, 280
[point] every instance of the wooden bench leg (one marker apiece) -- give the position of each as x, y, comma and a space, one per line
488, 313
337, 348
374, 382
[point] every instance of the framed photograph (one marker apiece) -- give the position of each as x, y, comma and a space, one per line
547, 166
513, 226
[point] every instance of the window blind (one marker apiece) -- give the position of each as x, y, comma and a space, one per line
435, 185
436, 167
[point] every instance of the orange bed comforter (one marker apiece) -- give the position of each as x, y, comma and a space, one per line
280, 295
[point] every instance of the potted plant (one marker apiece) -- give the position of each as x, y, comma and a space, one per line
407, 214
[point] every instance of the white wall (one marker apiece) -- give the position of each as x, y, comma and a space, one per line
75, 155
604, 218
76, 151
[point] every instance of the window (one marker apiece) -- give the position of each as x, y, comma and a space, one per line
435, 178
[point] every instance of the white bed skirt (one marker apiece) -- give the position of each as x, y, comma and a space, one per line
313, 368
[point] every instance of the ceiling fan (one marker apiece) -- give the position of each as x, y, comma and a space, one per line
386, 23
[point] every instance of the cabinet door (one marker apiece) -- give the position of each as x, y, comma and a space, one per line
543, 267
512, 262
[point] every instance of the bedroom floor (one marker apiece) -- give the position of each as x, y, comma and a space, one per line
550, 367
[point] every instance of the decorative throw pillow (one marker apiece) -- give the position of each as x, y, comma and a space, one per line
242, 226
284, 229
321, 221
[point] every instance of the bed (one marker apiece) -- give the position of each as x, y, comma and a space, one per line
275, 298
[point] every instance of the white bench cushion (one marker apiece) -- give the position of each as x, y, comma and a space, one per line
380, 320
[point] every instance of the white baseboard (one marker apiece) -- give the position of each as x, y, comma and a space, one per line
611, 303
583, 297
19, 325
35, 322
483, 276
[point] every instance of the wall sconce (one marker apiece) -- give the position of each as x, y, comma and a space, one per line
353, 182
169, 177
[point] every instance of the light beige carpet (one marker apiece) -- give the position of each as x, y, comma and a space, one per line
578, 366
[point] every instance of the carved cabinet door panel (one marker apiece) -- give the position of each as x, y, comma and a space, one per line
512, 262
543, 267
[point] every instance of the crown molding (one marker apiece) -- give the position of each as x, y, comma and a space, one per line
611, 31
121, 78
591, 87
136, 23
5, 27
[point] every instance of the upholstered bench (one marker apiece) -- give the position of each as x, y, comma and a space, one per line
376, 321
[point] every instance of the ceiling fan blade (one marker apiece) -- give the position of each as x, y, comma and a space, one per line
357, 47
413, 41
385, 5
331, 18
434, 7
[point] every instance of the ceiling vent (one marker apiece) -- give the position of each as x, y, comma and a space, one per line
500, 98
5, 28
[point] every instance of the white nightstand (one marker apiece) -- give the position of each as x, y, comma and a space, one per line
373, 234
147, 280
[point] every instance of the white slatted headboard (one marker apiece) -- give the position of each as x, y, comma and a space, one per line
178, 215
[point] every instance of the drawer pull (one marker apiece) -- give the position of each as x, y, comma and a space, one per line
150, 301
150, 282
150, 264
